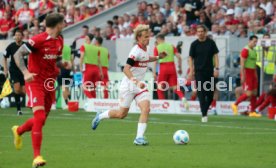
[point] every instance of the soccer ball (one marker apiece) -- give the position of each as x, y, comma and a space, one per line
181, 137
5, 103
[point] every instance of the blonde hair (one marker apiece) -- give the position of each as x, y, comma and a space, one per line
139, 29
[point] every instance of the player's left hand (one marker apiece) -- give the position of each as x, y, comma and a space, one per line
162, 54
216, 73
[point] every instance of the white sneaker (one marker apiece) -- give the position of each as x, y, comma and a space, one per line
204, 119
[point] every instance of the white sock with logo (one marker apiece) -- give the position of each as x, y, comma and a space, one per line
141, 130
104, 115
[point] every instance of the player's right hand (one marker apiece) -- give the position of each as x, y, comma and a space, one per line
162, 54
29, 76
141, 85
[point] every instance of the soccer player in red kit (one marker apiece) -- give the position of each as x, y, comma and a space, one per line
91, 66
45, 50
167, 71
249, 78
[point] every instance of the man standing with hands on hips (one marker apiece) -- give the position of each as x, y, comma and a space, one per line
204, 65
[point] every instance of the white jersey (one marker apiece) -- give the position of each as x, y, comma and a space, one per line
128, 91
141, 58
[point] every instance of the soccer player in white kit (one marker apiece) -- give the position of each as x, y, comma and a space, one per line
132, 87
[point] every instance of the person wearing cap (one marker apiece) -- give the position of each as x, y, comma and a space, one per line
230, 18
90, 65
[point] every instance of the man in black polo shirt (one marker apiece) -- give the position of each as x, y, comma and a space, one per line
16, 76
204, 63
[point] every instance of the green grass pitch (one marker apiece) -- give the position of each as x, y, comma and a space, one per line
69, 142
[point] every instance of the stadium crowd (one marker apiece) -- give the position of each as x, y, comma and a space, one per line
240, 18
28, 15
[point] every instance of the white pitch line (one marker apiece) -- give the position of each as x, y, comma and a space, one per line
166, 123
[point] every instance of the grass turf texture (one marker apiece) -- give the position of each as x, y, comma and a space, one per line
69, 142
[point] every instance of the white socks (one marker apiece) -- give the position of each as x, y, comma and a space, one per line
104, 115
141, 130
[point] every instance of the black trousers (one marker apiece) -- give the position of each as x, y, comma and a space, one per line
205, 90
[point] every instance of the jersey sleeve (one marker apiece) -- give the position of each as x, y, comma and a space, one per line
155, 51
192, 52
174, 50
215, 48
134, 54
82, 49
33, 43
7, 52
244, 53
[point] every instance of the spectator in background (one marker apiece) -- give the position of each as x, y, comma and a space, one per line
78, 16
115, 20
116, 34
69, 17
141, 19
167, 10
204, 20
133, 21
230, 20
130, 33
121, 23
262, 17
123, 34
149, 11
192, 8
108, 33
126, 20
175, 13
142, 8
24, 15
110, 23
2, 4
45, 6
6, 24
223, 31
87, 12
18, 4
26, 35
215, 29
267, 6
34, 6
157, 26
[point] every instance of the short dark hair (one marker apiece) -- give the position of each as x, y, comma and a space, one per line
85, 27
202, 27
19, 31
54, 19
99, 40
267, 34
91, 36
253, 37
160, 36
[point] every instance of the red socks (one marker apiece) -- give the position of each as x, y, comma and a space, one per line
27, 126
160, 94
105, 93
179, 93
38, 122
253, 103
242, 98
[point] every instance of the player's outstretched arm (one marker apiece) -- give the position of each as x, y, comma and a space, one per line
160, 56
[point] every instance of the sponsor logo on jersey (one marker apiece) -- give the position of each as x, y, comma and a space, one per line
50, 56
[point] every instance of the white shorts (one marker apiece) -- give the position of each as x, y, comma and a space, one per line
129, 92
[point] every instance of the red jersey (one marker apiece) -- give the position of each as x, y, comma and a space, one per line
43, 57
6, 25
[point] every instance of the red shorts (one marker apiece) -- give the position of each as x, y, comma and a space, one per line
91, 75
105, 74
251, 80
167, 74
39, 95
